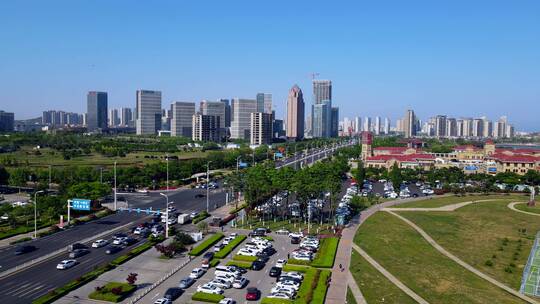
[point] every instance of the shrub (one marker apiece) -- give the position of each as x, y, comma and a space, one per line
230, 247
206, 244
489, 263
244, 258
206, 297
327, 253
298, 268
298, 262
214, 262
245, 265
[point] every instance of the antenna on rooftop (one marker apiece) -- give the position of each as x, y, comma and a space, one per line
314, 75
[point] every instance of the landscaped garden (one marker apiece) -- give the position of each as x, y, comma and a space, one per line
112, 292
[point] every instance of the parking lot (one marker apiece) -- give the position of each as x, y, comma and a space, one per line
259, 279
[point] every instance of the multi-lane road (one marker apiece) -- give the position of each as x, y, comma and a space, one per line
28, 283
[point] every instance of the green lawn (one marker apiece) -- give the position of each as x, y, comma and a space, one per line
106, 292
434, 202
524, 207
483, 232
374, 286
350, 297
405, 254
207, 243
327, 253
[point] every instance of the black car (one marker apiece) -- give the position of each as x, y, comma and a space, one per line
275, 272
186, 282
258, 265
24, 249
262, 257
239, 269
130, 241
208, 256
173, 293
295, 240
259, 232
269, 251
113, 249
78, 253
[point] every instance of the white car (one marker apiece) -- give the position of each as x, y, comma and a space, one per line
196, 273
283, 231
428, 191
99, 243
119, 240
247, 252
226, 277
227, 301
66, 264
223, 284
218, 247
288, 284
227, 240
163, 301
279, 296
234, 234
240, 283
290, 292
280, 263
140, 230
209, 288
293, 274
296, 234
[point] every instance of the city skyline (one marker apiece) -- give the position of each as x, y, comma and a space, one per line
459, 65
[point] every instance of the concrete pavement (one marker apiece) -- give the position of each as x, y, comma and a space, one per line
513, 207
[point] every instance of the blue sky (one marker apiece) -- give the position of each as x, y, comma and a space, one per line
461, 58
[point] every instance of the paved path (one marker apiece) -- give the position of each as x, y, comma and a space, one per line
462, 263
358, 296
389, 276
450, 207
513, 207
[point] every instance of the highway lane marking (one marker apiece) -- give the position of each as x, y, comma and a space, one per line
30, 291
155, 296
14, 291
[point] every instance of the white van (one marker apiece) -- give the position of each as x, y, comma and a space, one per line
225, 270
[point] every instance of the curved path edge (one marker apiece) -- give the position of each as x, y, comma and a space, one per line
484, 276
512, 206
389, 276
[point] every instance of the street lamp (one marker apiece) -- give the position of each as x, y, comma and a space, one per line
166, 215
208, 188
115, 186
35, 212
167, 159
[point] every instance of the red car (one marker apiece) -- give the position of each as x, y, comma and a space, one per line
253, 294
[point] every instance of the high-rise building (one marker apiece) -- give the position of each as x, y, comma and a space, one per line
334, 124
377, 127
509, 131
322, 119
126, 117
260, 128
499, 131
214, 108
409, 124
467, 127
96, 111
488, 128
241, 117
367, 124
440, 126
295, 113
451, 127
322, 91
114, 119
264, 103
227, 120
182, 118
357, 125
478, 127
7, 121
278, 128
386, 125
308, 129
206, 127
148, 113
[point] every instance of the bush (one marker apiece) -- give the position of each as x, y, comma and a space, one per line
319, 294
298, 262
245, 265
244, 258
489, 263
230, 247
214, 262
184, 238
206, 244
298, 268
275, 301
112, 292
206, 297
327, 253
201, 216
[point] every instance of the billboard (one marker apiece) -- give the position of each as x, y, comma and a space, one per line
81, 204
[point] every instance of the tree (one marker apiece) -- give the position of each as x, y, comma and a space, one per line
203, 226
4, 176
395, 175
132, 278
359, 175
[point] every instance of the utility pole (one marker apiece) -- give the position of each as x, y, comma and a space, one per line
208, 188
35, 212
167, 173
166, 215
115, 187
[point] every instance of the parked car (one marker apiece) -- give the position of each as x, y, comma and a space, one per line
295, 240
186, 282
209, 288
257, 265
66, 264
78, 253
173, 293
253, 294
196, 273
275, 272
24, 249
240, 283
227, 301
280, 263
163, 301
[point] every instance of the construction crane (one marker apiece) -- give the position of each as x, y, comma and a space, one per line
314, 75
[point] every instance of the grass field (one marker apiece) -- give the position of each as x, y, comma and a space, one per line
524, 207
531, 284
51, 157
434, 202
350, 297
405, 254
488, 236
374, 286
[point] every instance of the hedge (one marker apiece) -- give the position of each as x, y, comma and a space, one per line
246, 265
214, 262
207, 297
206, 244
305, 293
201, 216
230, 247
106, 293
327, 253
245, 258
322, 287
298, 262
275, 301
298, 268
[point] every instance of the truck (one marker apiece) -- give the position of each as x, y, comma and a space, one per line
76, 246
184, 219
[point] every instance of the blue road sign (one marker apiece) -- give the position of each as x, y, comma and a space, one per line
80, 204
242, 165
278, 154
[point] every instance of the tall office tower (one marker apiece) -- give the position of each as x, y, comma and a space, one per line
357, 125
206, 127
72, 119
227, 120
278, 128
85, 119
322, 119
399, 125
451, 127
182, 118
334, 124
46, 118
478, 127
126, 116
96, 111
295, 113
488, 128
386, 125
114, 119
214, 108
260, 128
166, 119
264, 103
409, 124
62, 119
367, 124
440, 125
509, 131
322, 91
460, 126
148, 113
467, 127
241, 117
499, 131
308, 129
377, 125
7, 121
